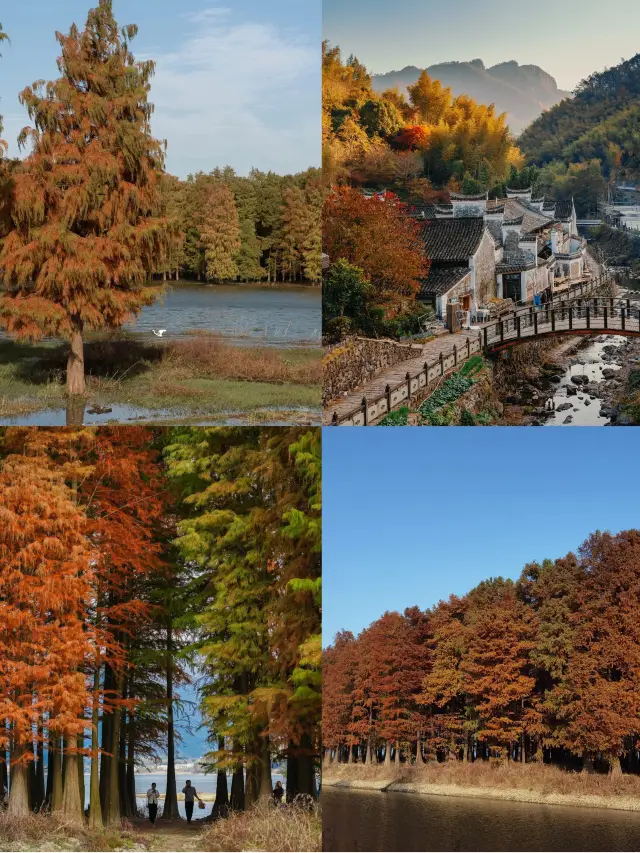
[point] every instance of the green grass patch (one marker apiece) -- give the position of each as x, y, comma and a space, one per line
397, 418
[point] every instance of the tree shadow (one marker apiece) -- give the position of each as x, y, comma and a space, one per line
112, 359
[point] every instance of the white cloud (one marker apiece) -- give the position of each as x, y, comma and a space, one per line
239, 94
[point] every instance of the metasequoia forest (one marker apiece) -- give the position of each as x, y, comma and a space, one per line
134, 561
545, 669
89, 216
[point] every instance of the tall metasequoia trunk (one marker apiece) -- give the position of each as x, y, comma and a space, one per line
56, 784
387, 754
71, 802
265, 785
111, 814
19, 797
122, 761
106, 725
4, 770
39, 780
80, 764
75, 362
292, 773
170, 809
350, 754
222, 790
419, 758
131, 772
367, 755
587, 763
615, 766
237, 781
252, 779
95, 809
305, 770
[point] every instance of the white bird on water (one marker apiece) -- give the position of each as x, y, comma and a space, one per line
159, 333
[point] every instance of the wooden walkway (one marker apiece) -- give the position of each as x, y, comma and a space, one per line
454, 351
568, 314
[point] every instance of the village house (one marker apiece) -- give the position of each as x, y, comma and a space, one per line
462, 255
520, 248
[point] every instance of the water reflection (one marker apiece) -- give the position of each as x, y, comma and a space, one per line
389, 821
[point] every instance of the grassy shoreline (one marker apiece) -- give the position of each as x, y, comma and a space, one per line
530, 783
201, 376
263, 828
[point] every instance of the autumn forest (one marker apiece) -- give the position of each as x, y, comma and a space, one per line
136, 562
542, 670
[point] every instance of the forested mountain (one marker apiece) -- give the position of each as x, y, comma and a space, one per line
427, 137
521, 91
545, 668
602, 123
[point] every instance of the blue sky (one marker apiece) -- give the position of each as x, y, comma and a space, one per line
236, 84
568, 38
411, 516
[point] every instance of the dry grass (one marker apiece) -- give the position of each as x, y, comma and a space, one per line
539, 778
265, 828
209, 356
54, 832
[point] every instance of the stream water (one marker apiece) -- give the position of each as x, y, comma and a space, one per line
579, 407
370, 820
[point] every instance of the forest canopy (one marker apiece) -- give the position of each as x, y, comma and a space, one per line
544, 669
133, 558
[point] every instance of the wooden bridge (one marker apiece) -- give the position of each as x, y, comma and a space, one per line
578, 313
580, 316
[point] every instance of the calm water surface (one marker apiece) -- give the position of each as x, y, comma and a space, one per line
370, 820
275, 315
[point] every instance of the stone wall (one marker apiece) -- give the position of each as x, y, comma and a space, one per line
485, 267
350, 363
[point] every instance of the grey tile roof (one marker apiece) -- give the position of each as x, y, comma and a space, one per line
564, 209
515, 258
474, 197
441, 280
420, 210
495, 229
532, 219
453, 240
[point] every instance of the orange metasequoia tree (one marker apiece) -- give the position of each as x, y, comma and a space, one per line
85, 206
45, 588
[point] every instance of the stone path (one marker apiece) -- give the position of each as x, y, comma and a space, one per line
375, 386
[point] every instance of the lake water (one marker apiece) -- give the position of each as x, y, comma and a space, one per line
282, 315
370, 820
204, 784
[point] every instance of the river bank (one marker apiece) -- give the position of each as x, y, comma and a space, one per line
530, 783
201, 378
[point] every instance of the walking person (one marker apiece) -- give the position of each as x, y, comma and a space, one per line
152, 802
278, 792
190, 795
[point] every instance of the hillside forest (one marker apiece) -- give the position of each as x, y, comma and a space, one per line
545, 669
135, 561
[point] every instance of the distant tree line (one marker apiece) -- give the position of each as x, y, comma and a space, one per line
545, 669
264, 227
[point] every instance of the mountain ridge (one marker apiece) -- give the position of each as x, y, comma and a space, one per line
524, 92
